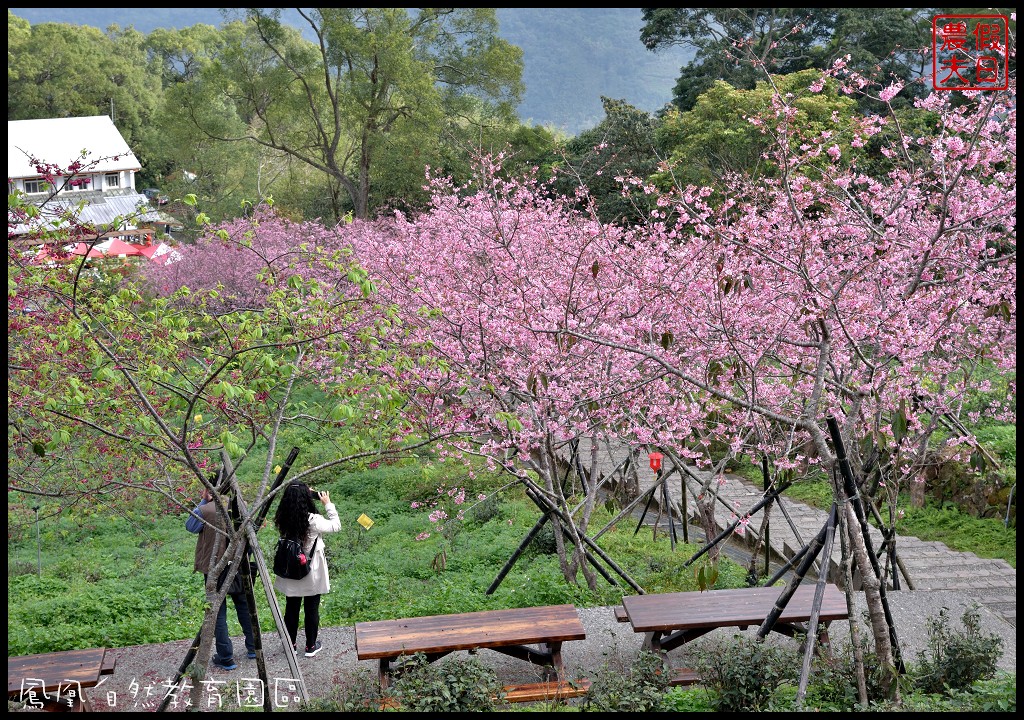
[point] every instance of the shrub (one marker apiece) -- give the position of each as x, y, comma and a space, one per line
486, 509
956, 659
833, 680
996, 695
356, 692
745, 672
544, 542
638, 688
451, 686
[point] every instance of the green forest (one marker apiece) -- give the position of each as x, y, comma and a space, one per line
189, 101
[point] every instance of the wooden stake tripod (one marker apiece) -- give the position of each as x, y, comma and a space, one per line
252, 549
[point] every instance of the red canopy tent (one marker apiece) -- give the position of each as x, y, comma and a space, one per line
161, 253
83, 249
120, 247
107, 248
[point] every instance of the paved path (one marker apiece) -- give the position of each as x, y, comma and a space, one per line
931, 566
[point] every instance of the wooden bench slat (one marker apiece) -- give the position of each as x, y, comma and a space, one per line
536, 692
525, 692
725, 608
56, 669
682, 677
621, 615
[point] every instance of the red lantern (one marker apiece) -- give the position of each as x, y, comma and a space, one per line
655, 458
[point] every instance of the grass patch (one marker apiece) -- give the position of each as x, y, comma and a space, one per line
985, 537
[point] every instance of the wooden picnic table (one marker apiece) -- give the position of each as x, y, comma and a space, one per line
506, 631
672, 619
57, 680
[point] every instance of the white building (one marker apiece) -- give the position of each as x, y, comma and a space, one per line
103, 178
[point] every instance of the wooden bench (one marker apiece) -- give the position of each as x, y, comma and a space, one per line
57, 680
672, 619
506, 631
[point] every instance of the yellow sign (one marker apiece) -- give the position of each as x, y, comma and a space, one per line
364, 521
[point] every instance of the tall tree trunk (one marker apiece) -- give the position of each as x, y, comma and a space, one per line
854, 622
361, 199
542, 461
873, 602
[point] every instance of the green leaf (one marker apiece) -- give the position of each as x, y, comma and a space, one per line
978, 461
899, 422
342, 412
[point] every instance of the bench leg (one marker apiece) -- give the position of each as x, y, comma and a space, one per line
823, 645
652, 642
65, 703
385, 673
556, 671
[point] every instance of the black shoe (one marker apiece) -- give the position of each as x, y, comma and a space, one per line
311, 651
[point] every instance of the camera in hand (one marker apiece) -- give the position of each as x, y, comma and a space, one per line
314, 494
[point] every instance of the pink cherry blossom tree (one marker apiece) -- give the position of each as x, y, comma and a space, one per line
828, 293
490, 283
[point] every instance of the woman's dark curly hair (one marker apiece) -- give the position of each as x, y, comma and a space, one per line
292, 518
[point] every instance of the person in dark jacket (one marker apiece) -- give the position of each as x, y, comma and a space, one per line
203, 520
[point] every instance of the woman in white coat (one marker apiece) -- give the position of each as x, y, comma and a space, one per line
297, 518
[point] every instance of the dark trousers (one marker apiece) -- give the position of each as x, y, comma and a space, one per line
242, 612
311, 605
223, 647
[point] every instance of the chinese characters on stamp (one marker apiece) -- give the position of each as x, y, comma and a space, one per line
969, 52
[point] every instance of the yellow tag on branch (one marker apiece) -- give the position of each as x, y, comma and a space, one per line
366, 522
